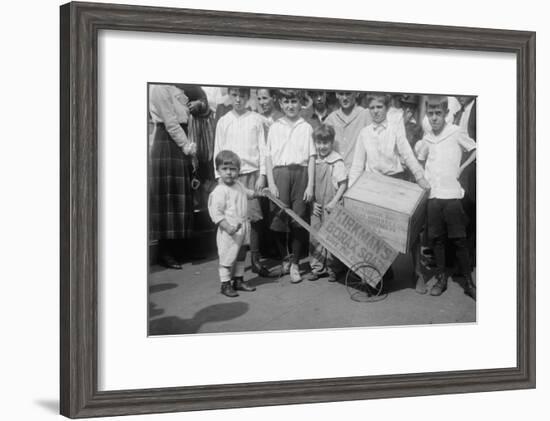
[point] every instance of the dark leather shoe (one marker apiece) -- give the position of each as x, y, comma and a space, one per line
440, 286
469, 287
257, 267
170, 262
227, 290
240, 285
312, 276
260, 270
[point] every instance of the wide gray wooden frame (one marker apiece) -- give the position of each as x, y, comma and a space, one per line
80, 24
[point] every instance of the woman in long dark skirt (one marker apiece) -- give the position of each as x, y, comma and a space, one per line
171, 167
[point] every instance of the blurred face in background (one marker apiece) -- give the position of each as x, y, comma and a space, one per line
319, 99
346, 100
409, 111
464, 100
265, 101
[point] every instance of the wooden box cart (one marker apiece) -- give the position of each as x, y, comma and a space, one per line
392, 208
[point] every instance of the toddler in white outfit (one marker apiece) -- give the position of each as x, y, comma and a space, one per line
228, 206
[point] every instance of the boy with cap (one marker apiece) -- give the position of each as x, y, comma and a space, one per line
319, 112
413, 130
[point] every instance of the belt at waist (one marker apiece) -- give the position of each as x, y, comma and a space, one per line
163, 126
290, 166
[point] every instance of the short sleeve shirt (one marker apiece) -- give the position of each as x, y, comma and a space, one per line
338, 168
443, 155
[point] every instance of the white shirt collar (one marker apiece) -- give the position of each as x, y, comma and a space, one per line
331, 158
288, 123
447, 131
377, 126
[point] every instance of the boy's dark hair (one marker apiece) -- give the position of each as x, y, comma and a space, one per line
379, 96
271, 91
409, 100
240, 90
291, 93
347, 92
226, 157
314, 92
324, 133
437, 101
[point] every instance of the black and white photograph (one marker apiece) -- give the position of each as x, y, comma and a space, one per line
284, 208
242, 210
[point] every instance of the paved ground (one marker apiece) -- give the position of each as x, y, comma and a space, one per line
188, 301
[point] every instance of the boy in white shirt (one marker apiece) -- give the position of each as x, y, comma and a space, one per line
382, 147
228, 209
290, 166
242, 131
442, 148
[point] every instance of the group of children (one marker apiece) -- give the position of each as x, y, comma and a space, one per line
307, 157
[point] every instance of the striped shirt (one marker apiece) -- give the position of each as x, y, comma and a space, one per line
244, 135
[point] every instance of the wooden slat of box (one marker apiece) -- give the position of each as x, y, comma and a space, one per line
346, 236
392, 208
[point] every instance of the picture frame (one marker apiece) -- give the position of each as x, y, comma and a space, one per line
80, 25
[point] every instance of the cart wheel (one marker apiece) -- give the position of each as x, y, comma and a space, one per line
358, 283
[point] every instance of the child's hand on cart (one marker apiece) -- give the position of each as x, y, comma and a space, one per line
273, 190
329, 207
317, 209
